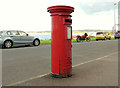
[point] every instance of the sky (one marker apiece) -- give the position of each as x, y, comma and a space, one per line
32, 15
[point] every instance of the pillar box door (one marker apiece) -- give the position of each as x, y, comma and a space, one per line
61, 47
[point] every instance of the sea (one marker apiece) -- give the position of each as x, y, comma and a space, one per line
47, 36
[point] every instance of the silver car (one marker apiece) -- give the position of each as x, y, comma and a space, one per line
8, 38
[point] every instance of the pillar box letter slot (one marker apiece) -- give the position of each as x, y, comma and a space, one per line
61, 50
68, 20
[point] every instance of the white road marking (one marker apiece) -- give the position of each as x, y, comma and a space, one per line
39, 76
94, 60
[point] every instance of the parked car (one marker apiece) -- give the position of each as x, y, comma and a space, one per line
117, 35
102, 36
8, 38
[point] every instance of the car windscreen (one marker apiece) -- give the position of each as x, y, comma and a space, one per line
1, 32
99, 33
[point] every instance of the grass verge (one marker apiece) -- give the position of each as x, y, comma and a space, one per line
45, 42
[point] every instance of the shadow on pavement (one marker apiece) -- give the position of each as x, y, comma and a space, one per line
21, 46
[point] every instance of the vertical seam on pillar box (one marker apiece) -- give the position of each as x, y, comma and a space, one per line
59, 44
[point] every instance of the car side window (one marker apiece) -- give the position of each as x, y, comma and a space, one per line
9, 33
22, 33
1, 32
14, 33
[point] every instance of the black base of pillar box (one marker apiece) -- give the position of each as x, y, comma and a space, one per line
61, 75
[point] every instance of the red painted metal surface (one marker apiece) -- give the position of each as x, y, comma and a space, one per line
61, 47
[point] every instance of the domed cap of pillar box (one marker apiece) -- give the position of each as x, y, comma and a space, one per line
60, 9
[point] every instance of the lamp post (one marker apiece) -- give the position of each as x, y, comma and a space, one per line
114, 18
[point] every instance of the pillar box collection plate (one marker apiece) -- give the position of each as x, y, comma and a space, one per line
61, 35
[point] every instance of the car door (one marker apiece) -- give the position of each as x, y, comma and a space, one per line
14, 36
25, 38
107, 35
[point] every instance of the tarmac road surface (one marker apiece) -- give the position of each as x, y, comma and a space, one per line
22, 63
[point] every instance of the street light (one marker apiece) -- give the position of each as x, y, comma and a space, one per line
114, 18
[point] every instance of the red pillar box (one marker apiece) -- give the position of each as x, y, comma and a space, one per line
61, 47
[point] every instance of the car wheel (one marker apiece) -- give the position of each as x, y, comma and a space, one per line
78, 39
8, 44
110, 38
87, 39
36, 42
96, 39
105, 38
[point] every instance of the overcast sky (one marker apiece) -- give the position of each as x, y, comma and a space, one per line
32, 15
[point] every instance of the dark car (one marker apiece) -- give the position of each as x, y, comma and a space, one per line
117, 35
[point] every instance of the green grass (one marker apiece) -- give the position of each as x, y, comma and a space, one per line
112, 37
73, 40
92, 39
45, 42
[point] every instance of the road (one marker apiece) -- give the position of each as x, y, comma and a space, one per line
25, 62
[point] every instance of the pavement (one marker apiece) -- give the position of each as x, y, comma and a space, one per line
94, 64
100, 72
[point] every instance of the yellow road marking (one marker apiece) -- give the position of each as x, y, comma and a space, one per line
39, 76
